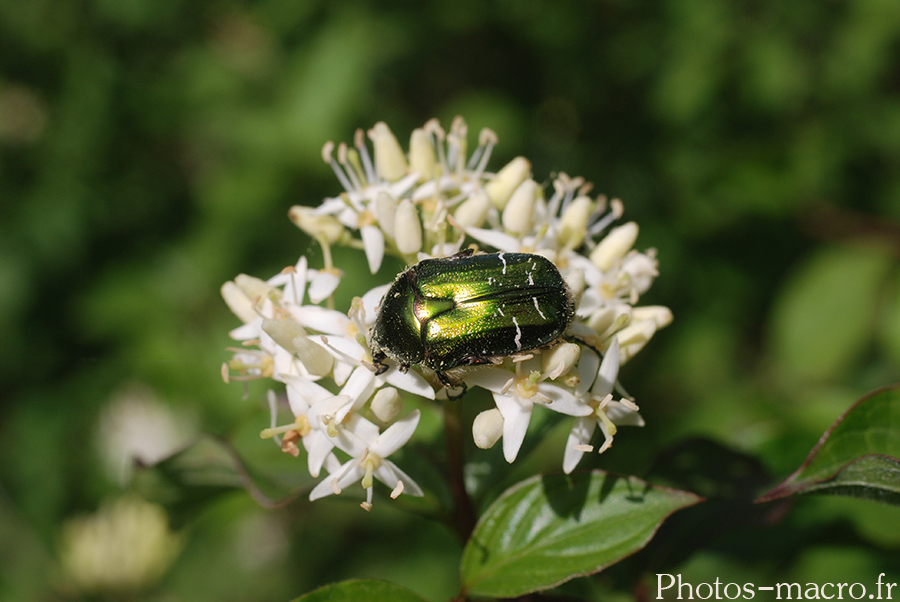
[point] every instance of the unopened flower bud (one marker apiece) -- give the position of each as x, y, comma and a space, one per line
408, 228
487, 428
557, 361
472, 212
317, 226
633, 337
500, 189
283, 332
314, 358
390, 162
385, 212
290, 336
574, 221
614, 247
254, 287
659, 315
517, 215
386, 404
422, 159
238, 302
606, 317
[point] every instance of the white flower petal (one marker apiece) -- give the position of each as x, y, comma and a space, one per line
329, 410
563, 401
609, 371
496, 239
323, 320
396, 435
250, 330
516, 416
373, 243
318, 448
580, 435
355, 434
342, 372
322, 285
622, 415
410, 381
588, 366
303, 394
372, 299
494, 378
324, 488
389, 473
360, 386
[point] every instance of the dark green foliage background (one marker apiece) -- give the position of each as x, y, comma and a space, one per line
150, 150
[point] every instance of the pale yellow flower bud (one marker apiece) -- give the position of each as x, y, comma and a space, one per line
386, 404
283, 332
324, 226
614, 247
407, 228
385, 212
574, 221
238, 302
517, 215
390, 162
290, 336
254, 287
608, 317
487, 428
557, 361
472, 212
507, 180
314, 358
633, 337
422, 159
659, 315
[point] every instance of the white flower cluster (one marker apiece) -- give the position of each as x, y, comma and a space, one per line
430, 203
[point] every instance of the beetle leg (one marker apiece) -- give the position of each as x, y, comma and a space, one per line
378, 361
467, 252
449, 384
462, 386
580, 341
477, 360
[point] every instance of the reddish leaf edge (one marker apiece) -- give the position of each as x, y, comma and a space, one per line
792, 485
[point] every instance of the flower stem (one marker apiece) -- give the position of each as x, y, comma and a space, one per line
463, 513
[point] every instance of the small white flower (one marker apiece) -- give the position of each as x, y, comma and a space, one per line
516, 396
603, 411
369, 459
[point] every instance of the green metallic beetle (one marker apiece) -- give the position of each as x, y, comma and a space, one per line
468, 309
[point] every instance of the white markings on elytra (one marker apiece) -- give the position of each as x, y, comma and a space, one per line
500, 310
503, 259
538, 308
518, 334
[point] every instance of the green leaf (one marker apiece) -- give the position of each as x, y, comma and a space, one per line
857, 456
825, 316
547, 530
354, 590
